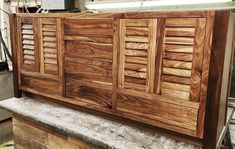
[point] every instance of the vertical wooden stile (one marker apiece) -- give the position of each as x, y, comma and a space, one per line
116, 45
199, 40
122, 53
152, 36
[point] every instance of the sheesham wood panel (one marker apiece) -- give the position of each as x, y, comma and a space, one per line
148, 67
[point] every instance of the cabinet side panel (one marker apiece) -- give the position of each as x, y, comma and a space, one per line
213, 107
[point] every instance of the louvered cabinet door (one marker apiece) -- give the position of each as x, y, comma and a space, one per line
182, 58
160, 71
88, 60
50, 45
28, 45
137, 54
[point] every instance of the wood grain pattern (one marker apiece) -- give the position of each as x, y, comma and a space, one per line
147, 66
28, 135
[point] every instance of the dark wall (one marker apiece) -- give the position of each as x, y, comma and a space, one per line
232, 91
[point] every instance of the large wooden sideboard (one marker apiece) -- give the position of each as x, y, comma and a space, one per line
165, 69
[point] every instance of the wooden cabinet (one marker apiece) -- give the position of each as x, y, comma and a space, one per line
149, 67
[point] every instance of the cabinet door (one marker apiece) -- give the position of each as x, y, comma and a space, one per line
89, 59
50, 31
160, 71
39, 47
137, 54
28, 44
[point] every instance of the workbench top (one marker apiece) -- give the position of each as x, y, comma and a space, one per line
92, 129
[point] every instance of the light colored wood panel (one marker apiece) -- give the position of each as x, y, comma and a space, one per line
136, 67
50, 61
174, 86
137, 60
135, 74
27, 32
29, 57
177, 72
29, 62
138, 39
137, 53
174, 93
29, 47
178, 56
186, 22
27, 26
90, 39
28, 42
50, 50
47, 33
137, 31
49, 45
177, 64
179, 40
176, 79
49, 55
136, 22
28, 52
180, 32
49, 39
28, 37
179, 48
143, 46
134, 86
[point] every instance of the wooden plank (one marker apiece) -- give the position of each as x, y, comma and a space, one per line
122, 31
28, 37
50, 50
49, 45
177, 64
138, 39
136, 60
151, 56
197, 59
178, 48
174, 93
47, 33
49, 39
135, 74
180, 32
134, 86
136, 67
89, 50
158, 111
42, 84
178, 56
179, 40
137, 53
90, 39
27, 26
175, 86
177, 72
136, 22
89, 32
136, 31
28, 52
98, 95
89, 72
143, 46
27, 32
29, 57
176, 79
184, 22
